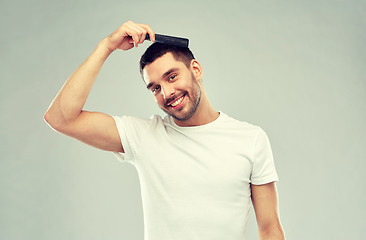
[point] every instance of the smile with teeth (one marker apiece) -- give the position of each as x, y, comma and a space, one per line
177, 102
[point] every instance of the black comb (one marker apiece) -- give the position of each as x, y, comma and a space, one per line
180, 42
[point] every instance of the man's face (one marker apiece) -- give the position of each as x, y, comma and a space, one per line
174, 86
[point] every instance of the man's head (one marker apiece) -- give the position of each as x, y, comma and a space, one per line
173, 76
157, 50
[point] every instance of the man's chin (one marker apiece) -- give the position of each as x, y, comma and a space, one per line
180, 116
182, 119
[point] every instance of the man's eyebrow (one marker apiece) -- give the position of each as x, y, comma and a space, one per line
170, 71
164, 75
149, 85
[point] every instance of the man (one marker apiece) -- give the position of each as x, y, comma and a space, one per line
198, 168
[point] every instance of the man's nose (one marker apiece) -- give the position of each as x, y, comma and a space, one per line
168, 91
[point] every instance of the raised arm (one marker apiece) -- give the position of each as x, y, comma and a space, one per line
265, 204
66, 114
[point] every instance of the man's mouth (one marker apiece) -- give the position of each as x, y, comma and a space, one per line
178, 102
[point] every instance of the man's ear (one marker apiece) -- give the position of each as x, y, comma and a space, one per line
196, 69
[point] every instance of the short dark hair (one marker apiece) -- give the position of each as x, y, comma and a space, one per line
157, 50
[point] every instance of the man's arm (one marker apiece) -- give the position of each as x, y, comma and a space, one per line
65, 113
265, 203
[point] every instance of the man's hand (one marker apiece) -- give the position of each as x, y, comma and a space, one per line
127, 36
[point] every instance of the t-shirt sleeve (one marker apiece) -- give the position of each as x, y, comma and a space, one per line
264, 170
131, 131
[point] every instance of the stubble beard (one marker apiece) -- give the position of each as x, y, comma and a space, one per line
193, 105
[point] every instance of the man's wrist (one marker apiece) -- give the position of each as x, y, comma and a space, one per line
105, 46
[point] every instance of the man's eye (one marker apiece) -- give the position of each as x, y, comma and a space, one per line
172, 77
155, 89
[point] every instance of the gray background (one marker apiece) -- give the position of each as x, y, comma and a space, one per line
295, 68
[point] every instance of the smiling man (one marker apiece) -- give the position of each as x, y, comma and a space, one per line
199, 169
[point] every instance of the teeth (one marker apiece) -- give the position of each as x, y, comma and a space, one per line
177, 102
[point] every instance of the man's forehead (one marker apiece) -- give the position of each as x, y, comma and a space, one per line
160, 66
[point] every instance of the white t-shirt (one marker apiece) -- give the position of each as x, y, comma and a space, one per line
195, 181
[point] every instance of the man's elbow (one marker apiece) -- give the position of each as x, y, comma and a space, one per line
49, 120
52, 121
46, 118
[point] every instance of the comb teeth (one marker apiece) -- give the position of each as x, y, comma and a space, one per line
180, 42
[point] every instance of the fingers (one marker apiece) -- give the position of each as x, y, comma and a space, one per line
138, 32
128, 35
149, 31
135, 34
